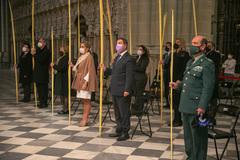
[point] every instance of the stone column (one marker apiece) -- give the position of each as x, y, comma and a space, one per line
7, 26
3, 25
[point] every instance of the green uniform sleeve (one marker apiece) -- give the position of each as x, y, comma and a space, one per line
208, 85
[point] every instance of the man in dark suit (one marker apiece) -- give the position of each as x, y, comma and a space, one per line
180, 59
166, 70
215, 56
121, 87
42, 57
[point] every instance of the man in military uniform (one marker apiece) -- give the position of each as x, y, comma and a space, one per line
196, 90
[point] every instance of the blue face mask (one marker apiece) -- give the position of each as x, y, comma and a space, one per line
193, 50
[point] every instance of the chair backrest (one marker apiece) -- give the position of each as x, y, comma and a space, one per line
226, 84
147, 97
230, 110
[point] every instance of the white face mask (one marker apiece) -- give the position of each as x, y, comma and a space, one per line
24, 49
82, 50
229, 56
40, 44
139, 52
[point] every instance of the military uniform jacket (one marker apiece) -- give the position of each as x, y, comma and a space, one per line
197, 85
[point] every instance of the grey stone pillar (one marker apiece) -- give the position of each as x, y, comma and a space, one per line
3, 25
7, 26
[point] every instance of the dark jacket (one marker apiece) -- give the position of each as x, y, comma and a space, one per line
140, 76
42, 63
61, 76
25, 68
180, 60
140, 68
216, 58
166, 67
95, 58
167, 60
122, 75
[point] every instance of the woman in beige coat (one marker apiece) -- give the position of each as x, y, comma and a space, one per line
84, 81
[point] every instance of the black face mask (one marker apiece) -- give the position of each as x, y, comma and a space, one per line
176, 46
61, 53
207, 49
166, 49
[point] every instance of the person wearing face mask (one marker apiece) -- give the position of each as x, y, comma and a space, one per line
166, 70
180, 59
140, 78
229, 65
121, 89
25, 71
42, 57
196, 91
61, 78
215, 56
85, 80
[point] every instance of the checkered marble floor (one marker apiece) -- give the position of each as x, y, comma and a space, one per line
30, 134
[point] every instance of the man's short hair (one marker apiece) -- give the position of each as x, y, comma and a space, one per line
169, 43
124, 40
27, 44
204, 41
213, 44
44, 40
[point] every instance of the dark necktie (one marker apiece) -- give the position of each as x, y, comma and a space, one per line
117, 58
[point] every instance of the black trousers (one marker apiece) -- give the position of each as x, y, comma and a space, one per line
166, 80
176, 101
27, 91
213, 106
42, 89
122, 113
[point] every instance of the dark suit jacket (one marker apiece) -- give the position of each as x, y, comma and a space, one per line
140, 75
180, 60
61, 76
122, 75
140, 68
166, 67
41, 68
25, 68
216, 58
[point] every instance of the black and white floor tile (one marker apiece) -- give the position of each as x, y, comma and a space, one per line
30, 134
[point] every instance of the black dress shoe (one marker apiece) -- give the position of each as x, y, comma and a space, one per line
177, 124
114, 135
123, 137
43, 106
63, 112
166, 106
24, 100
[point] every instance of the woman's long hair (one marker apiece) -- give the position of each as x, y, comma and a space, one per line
145, 51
